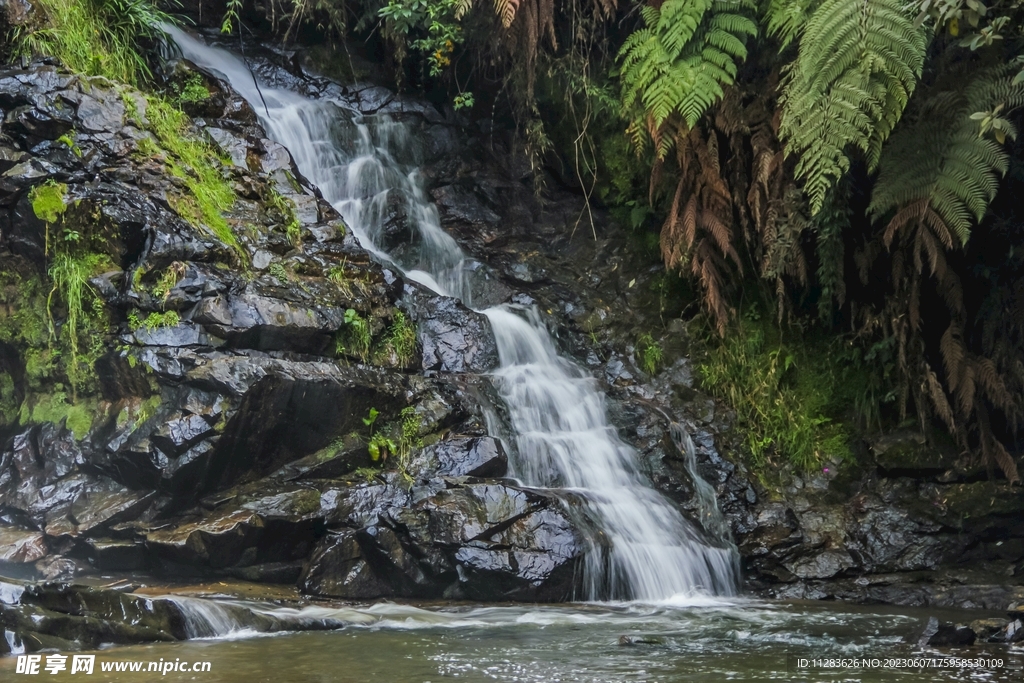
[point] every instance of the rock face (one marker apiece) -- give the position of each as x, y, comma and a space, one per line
220, 417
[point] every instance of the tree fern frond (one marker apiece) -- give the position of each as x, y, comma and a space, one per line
857, 66
786, 18
679, 62
939, 159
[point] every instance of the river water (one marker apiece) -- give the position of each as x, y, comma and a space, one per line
661, 602
702, 640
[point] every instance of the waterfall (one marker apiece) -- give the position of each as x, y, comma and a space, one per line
646, 550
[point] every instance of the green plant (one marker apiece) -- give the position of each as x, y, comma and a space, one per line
371, 418
380, 447
782, 395
649, 353
191, 159
96, 37
399, 340
153, 321
167, 280
286, 208
278, 272
68, 140
678, 63
192, 91
355, 337
409, 435
857, 66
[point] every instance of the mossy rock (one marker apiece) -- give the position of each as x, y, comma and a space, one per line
905, 451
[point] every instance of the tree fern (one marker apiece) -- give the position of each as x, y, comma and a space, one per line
785, 19
939, 167
857, 66
679, 62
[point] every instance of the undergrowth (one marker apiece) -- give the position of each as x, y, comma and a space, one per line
784, 393
96, 37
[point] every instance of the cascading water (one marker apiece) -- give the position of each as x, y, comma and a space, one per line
562, 437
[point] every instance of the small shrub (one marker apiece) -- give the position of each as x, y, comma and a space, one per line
355, 338
648, 353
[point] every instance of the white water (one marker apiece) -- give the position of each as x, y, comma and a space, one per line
646, 549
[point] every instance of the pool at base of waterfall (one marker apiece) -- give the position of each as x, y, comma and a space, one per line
695, 640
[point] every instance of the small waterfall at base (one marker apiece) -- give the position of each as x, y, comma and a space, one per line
562, 437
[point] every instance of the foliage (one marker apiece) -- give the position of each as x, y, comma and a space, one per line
191, 91
679, 62
782, 394
355, 338
153, 321
857, 66
285, 209
97, 37
399, 341
648, 353
195, 162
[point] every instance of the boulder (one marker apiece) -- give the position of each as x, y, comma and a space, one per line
936, 634
453, 338
480, 456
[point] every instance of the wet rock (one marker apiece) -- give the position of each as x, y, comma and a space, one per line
216, 541
459, 457
474, 541
118, 555
337, 568
937, 634
21, 545
452, 337
985, 629
640, 640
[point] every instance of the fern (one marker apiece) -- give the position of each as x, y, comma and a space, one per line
785, 19
679, 62
857, 66
505, 9
939, 169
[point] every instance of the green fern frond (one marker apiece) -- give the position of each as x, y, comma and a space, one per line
678, 64
785, 19
940, 159
857, 66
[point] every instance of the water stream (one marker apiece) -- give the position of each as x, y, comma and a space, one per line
562, 437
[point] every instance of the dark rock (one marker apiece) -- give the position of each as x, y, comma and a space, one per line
459, 457
640, 640
21, 545
945, 635
453, 338
337, 568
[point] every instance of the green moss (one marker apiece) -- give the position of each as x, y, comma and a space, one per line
48, 200
192, 160
55, 408
278, 272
